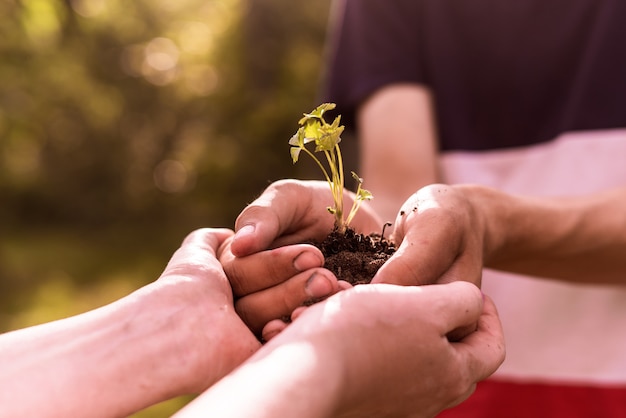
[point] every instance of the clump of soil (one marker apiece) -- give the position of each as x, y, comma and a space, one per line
355, 257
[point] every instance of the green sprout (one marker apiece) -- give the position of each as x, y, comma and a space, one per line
313, 128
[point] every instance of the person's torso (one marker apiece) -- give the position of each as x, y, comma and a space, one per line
530, 97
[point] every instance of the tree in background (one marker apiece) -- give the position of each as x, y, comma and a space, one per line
115, 111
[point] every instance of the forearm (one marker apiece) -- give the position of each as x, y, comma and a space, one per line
398, 145
108, 362
581, 239
285, 381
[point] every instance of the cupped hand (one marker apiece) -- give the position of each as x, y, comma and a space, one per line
272, 283
389, 346
270, 262
195, 280
292, 212
440, 237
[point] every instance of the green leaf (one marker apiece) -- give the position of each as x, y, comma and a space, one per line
295, 153
317, 113
319, 110
330, 137
334, 131
325, 143
295, 140
312, 130
299, 139
336, 122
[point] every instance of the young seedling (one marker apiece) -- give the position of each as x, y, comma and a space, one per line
314, 128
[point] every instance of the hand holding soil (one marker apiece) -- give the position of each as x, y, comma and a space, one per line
266, 262
442, 233
371, 351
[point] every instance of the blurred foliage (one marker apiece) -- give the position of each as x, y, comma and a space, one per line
125, 125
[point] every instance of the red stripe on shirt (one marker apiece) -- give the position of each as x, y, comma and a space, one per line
504, 399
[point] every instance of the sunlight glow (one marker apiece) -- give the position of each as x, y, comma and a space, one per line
88, 8
172, 176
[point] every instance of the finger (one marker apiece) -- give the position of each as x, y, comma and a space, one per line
257, 309
448, 306
276, 326
467, 323
429, 245
456, 305
197, 250
297, 312
272, 329
484, 350
287, 212
268, 268
257, 227
344, 285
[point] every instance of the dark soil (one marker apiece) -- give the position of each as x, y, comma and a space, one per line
355, 257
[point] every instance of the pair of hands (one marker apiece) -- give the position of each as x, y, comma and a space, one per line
272, 274
438, 233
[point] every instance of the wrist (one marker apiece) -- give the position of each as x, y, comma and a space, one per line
488, 217
313, 368
156, 337
289, 376
202, 337
515, 227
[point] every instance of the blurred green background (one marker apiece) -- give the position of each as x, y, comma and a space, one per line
126, 124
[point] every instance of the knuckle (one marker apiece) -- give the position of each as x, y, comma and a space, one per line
236, 274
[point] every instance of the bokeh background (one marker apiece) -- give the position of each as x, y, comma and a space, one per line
126, 124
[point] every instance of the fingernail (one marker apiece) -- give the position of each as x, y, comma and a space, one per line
307, 260
317, 286
245, 231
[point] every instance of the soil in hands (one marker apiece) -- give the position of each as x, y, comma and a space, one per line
355, 257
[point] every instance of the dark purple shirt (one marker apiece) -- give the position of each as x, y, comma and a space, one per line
503, 73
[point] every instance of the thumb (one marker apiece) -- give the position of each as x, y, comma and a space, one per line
255, 230
423, 256
197, 250
288, 212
